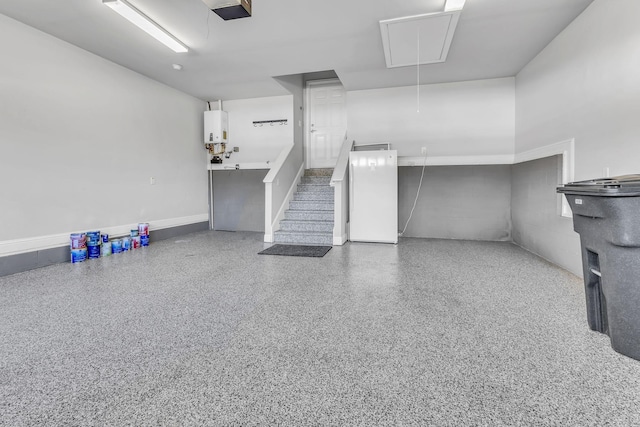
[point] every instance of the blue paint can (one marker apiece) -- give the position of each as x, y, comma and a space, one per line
105, 238
134, 233
144, 240
94, 251
116, 246
93, 237
126, 243
78, 255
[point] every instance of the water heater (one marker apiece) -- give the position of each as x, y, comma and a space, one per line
216, 127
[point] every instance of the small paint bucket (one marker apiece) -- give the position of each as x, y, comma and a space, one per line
135, 242
143, 229
93, 251
126, 243
106, 249
144, 240
105, 238
78, 255
116, 246
134, 233
78, 241
93, 237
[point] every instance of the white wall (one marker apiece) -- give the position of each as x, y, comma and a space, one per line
259, 144
465, 119
80, 138
584, 85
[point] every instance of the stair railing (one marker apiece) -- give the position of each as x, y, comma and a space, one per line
340, 184
279, 185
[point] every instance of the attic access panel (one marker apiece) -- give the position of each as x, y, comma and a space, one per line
433, 30
230, 9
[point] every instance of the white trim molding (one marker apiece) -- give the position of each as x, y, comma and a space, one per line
498, 159
566, 149
31, 244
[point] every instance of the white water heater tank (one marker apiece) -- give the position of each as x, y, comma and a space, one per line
216, 127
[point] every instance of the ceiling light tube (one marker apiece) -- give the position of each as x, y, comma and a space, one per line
452, 5
142, 21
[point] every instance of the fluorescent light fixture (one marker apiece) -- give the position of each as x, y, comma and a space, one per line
146, 24
451, 5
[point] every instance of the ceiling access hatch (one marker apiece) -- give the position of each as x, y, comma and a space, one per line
230, 9
419, 39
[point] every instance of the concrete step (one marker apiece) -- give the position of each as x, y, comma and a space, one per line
314, 195
308, 215
310, 205
306, 225
302, 238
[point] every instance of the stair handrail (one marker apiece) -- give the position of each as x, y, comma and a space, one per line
340, 172
340, 184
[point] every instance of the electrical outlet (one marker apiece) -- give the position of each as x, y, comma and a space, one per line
423, 151
236, 149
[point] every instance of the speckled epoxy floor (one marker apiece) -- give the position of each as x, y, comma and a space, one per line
203, 331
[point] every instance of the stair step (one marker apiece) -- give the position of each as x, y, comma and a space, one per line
318, 172
306, 225
308, 205
316, 180
303, 238
315, 188
313, 195
308, 215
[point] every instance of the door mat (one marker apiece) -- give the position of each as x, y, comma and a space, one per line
296, 250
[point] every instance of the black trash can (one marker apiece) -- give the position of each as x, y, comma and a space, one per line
606, 214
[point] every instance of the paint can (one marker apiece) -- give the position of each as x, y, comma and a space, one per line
144, 240
93, 236
105, 238
134, 233
78, 255
93, 251
116, 246
135, 242
105, 249
126, 243
143, 229
78, 241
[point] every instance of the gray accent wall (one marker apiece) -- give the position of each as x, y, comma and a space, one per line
238, 200
535, 208
456, 202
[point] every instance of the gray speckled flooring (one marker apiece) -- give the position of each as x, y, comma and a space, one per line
204, 331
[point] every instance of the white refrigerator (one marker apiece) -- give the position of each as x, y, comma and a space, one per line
373, 196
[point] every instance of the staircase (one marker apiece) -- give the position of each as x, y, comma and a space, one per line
309, 219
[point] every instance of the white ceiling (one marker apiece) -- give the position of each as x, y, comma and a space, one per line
237, 59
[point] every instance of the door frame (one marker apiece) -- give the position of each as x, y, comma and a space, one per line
309, 84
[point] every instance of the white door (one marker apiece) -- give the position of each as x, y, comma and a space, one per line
327, 123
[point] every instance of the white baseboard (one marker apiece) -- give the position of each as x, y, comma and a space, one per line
31, 244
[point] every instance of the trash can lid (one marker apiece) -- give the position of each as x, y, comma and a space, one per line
617, 186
